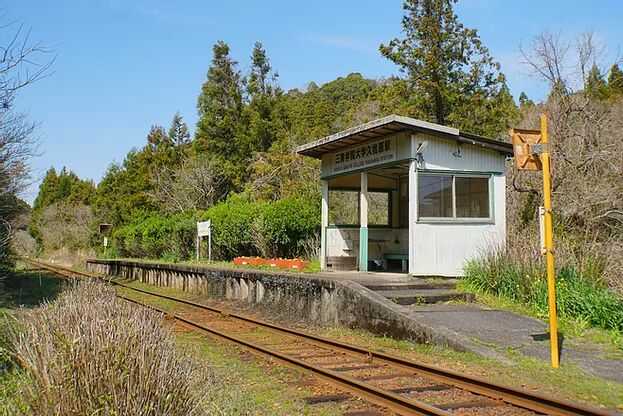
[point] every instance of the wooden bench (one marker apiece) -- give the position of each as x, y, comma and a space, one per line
341, 263
404, 259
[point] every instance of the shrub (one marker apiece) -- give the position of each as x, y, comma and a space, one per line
232, 222
579, 295
90, 353
285, 225
157, 236
285, 228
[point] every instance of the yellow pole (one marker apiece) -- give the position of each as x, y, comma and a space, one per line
549, 244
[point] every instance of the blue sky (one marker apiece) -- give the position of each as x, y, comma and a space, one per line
123, 65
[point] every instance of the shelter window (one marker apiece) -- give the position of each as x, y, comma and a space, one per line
472, 197
379, 208
343, 207
442, 196
435, 196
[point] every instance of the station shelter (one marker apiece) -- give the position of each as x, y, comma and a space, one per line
405, 195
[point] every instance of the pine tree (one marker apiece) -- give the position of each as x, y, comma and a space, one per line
47, 190
219, 106
157, 137
260, 78
615, 81
595, 85
178, 132
524, 101
449, 68
262, 93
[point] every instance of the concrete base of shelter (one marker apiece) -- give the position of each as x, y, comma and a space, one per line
342, 299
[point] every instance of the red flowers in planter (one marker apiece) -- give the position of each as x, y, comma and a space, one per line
294, 264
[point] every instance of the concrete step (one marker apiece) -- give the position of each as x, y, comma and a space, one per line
414, 296
416, 285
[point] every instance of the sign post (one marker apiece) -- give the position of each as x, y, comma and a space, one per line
549, 243
204, 229
531, 149
104, 230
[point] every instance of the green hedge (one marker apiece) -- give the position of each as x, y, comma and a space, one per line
240, 228
232, 223
286, 225
156, 237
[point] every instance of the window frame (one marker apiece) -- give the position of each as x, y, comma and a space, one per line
454, 219
387, 191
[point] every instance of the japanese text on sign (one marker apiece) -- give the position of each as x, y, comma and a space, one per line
365, 155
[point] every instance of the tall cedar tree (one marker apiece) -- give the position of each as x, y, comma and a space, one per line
262, 93
157, 137
453, 77
178, 132
615, 81
220, 106
595, 84
260, 79
524, 101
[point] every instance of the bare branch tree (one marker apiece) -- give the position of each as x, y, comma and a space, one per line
21, 63
548, 58
586, 135
196, 184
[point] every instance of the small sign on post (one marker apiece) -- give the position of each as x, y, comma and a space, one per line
527, 146
105, 230
542, 229
204, 229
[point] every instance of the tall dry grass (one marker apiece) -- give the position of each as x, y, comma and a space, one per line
517, 273
89, 353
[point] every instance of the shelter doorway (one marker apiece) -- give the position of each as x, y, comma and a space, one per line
385, 195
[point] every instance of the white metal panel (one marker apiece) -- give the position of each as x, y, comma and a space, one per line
345, 242
442, 154
443, 249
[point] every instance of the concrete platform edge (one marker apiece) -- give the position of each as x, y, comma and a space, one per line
314, 299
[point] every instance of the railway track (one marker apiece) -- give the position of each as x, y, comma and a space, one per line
402, 386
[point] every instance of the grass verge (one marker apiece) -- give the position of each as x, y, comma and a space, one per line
253, 387
587, 310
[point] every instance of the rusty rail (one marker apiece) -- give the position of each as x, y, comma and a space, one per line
537, 403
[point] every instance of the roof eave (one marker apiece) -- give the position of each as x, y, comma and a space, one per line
312, 149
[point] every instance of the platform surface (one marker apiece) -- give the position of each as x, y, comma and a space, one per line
508, 332
501, 332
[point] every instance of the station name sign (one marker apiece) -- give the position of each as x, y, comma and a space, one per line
365, 155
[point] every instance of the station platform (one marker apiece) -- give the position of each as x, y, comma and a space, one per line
386, 304
494, 333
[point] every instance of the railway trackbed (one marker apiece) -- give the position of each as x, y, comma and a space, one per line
401, 386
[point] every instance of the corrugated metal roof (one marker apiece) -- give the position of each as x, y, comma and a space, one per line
394, 124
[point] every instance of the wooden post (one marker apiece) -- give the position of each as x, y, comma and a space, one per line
210, 245
197, 241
